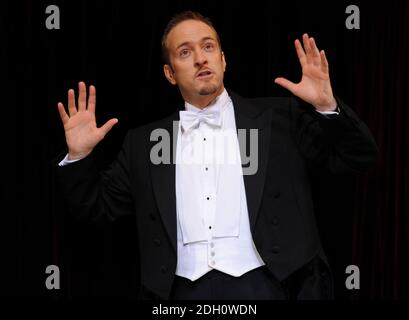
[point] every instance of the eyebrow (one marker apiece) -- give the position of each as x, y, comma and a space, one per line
202, 40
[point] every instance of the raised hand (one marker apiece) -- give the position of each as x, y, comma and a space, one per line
81, 132
315, 85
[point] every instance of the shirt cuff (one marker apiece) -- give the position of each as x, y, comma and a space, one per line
66, 161
328, 114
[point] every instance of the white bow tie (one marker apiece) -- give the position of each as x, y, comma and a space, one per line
192, 119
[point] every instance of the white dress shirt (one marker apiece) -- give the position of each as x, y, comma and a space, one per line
213, 229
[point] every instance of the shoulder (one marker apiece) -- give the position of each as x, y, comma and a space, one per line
271, 102
144, 132
260, 105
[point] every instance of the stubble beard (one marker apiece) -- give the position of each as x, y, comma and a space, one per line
208, 89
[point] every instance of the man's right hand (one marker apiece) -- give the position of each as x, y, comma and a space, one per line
81, 132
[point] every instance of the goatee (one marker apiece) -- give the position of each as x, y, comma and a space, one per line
208, 90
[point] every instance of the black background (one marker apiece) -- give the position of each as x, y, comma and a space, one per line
115, 46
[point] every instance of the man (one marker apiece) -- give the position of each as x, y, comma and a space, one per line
205, 230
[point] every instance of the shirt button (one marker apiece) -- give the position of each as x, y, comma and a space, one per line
207, 168
212, 253
211, 245
204, 139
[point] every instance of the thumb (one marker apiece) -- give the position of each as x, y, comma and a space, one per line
108, 125
285, 84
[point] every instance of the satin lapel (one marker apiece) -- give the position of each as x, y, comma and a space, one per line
251, 117
163, 181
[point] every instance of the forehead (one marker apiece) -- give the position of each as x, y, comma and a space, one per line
190, 31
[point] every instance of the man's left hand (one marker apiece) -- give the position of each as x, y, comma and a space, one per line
315, 85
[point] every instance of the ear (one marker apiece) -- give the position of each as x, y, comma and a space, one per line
224, 61
168, 71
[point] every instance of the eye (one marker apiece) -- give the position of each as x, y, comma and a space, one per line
184, 53
209, 46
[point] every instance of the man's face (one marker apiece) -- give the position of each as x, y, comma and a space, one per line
197, 63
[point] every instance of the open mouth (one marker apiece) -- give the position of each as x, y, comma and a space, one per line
204, 74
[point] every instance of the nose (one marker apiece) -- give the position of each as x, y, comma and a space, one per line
199, 59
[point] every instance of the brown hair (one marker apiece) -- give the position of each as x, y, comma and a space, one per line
178, 18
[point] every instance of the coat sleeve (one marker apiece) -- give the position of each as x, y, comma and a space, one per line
93, 196
340, 143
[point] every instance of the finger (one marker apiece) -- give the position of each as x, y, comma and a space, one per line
300, 52
82, 96
314, 49
324, 62
64, 116
307, 47
108, 126
92, 99
72, 109
286, 84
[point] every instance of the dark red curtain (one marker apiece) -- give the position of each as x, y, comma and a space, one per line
381, 213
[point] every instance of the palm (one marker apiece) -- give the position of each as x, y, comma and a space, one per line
81, 131
315, 86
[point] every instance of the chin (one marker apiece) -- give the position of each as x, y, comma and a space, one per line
208, 90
